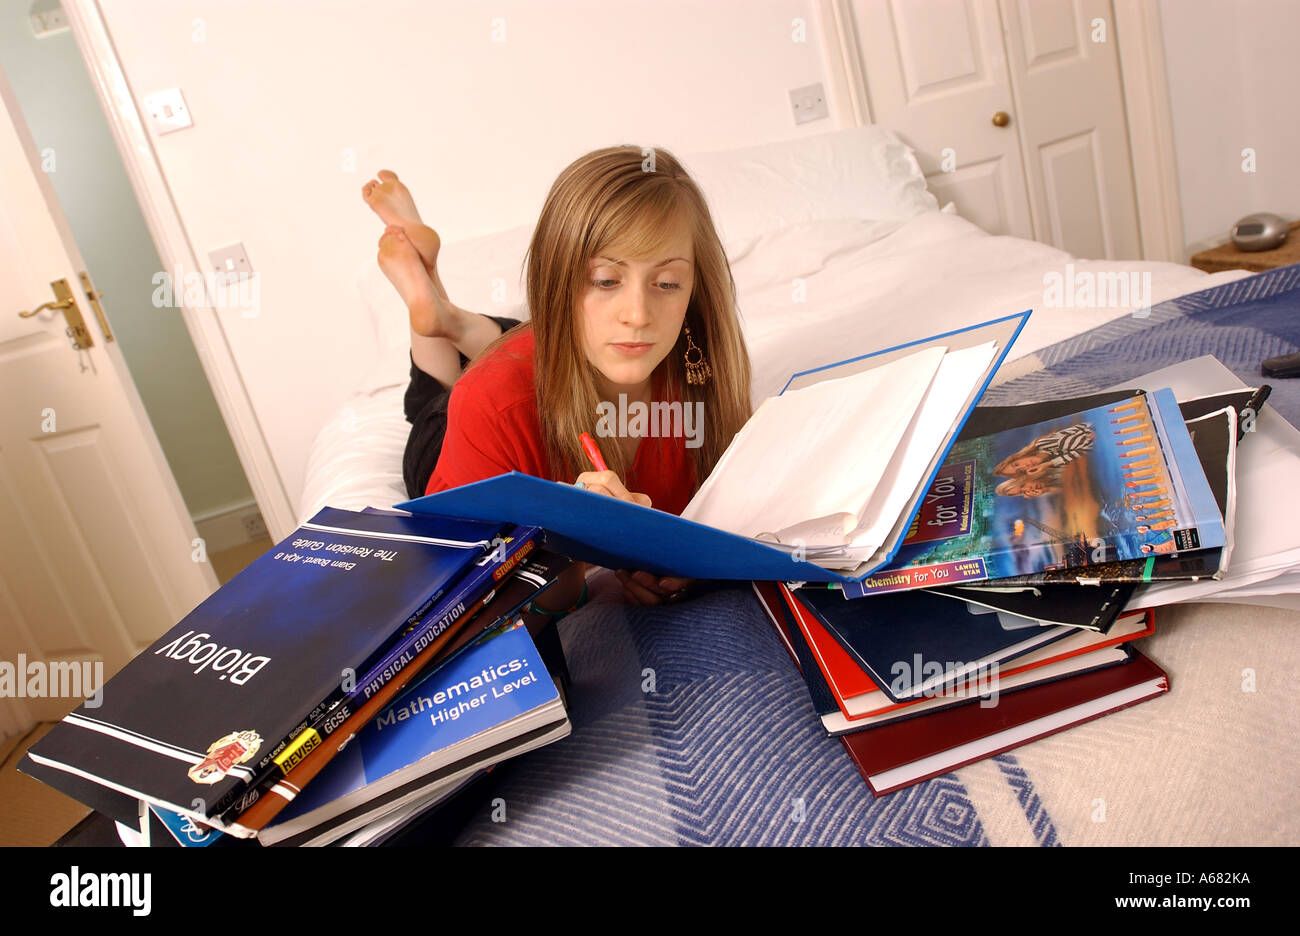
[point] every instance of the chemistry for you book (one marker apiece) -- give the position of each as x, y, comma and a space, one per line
1120, 481
193, 719
1216, 424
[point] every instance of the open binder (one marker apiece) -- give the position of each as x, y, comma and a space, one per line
619, 534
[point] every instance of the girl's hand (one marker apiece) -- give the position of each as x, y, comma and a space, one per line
607, 482
643, 588
646, 588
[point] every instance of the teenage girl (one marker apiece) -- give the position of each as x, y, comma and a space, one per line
629, 293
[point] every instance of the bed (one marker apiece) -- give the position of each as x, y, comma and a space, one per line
837, 248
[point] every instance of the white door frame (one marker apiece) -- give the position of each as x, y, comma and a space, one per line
136, 149
1138, 31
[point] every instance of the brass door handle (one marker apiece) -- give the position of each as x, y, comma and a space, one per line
60, 304
1001, 119
76, 330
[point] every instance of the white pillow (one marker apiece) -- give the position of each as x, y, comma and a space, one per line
862, 172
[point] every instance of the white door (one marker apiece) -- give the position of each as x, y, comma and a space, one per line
936, 74
1015, 111
97, 551
1064, 60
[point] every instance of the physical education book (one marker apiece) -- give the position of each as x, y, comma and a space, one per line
1118, 481
494, 692
191, 720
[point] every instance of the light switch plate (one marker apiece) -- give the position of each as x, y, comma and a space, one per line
809, 103
167, 111
230, 259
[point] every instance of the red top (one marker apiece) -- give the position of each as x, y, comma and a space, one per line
492, 428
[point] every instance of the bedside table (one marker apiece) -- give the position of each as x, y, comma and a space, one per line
1228, 257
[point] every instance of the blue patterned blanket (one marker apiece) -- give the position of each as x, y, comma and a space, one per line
691, 725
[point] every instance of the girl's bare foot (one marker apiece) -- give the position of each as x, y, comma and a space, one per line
392, 201
401, 264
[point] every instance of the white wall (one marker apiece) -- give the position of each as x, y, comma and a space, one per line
296, 104
1234, 77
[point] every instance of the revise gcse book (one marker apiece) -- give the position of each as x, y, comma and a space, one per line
895, 756
1213, 438
859, 442
191, 720
495, 691
1118, 481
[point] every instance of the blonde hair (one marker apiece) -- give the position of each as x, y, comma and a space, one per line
609, 198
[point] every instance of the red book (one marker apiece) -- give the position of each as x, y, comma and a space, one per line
900, 754
860, 698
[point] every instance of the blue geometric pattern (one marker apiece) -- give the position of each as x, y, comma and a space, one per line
1039, 821
725, 750
1241, 323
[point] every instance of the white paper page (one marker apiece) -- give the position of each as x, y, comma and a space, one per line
956, 379
815, 454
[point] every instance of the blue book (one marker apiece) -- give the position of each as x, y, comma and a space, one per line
472, 590
917, 644
620, 534
485, 699
210, 705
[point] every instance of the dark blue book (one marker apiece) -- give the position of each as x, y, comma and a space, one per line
915, 644
471, 591
209, 706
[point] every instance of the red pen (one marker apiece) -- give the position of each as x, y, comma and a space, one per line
593, 453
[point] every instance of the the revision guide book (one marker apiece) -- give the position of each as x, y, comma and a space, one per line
1114, 482
189, 721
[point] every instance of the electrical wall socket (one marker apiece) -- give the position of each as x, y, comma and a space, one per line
48, 21
254, 525
167, 111
809, 103
230, 259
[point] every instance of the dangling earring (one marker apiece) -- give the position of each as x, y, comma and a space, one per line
697, 371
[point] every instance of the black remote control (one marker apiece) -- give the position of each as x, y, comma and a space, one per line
1287, 365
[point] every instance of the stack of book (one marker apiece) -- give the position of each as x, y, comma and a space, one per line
355, 675
1127, 489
